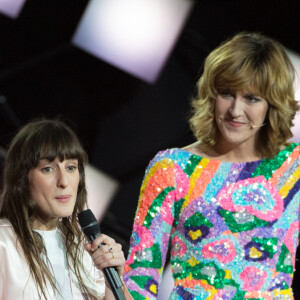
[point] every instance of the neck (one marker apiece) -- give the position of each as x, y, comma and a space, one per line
234, 153
40, 223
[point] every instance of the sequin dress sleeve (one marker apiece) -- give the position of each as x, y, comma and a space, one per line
232, 228
162, 187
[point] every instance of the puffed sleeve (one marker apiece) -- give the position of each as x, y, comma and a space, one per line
15, 279
152, 228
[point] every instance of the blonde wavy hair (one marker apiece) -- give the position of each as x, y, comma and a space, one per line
254, 63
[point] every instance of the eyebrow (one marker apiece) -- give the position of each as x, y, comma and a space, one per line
44, 158
252, 95
50, 160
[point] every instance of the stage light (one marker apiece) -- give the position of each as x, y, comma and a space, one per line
295, 58
133, 35
101, 189
11, 8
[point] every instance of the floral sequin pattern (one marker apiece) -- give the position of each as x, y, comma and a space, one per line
255, 196
223, 250
254, 278
260, 250
197, 228
231, 229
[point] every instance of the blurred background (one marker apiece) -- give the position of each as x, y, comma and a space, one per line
124, 106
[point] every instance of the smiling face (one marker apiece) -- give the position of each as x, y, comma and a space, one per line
53, 188
239, 118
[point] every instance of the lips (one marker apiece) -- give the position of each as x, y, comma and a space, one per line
234, 123
63, 198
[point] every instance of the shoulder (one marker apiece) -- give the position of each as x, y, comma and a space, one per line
5, 227
296, 146
286, 161
175, 153
170, 157
4, 222
292, 150
7, 233
292, 146
8, 239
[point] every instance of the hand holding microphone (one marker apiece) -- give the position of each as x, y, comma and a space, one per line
105, 252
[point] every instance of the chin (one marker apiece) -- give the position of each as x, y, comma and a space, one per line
65, 213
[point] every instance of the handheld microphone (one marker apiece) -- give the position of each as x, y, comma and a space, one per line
91, 229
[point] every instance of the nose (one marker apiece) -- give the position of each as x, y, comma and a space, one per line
62, 179
236, 108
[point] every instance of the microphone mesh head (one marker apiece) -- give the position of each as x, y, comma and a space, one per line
89, 224
86, 217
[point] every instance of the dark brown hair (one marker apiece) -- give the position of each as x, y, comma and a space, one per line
38, 139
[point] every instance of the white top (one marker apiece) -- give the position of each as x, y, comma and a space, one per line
16, 281
57, 256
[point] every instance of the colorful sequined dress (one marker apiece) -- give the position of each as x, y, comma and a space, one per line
232, 228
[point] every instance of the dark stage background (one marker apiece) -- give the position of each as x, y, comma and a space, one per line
121, 120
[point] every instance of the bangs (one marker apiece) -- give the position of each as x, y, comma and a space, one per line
244, 77
50, 141
61, 147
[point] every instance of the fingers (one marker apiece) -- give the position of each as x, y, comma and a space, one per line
102, 239
105, 253
107, 256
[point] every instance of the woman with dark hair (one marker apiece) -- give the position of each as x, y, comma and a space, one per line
41, 244
227, 206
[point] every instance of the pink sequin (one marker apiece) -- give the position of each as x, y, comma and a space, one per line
225, 199
223, 250
181, 190
146, 240
290, 238
253, 278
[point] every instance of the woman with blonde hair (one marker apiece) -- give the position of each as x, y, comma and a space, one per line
44, 254
227, 206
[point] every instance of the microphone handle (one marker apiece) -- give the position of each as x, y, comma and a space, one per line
111, 276
115, 283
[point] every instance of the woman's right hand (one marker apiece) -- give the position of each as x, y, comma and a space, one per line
106, 252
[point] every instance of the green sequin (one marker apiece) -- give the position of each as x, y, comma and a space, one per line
191, 165
155, 206
268, 244
141, 280
235, 227
137, 296
281, 266
239, 295
196, 220
156, 259
177, 210
216, 278
269, 166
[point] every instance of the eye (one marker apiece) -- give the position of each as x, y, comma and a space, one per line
47, 169
72, 165
72, 168
226, 94
252, 99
